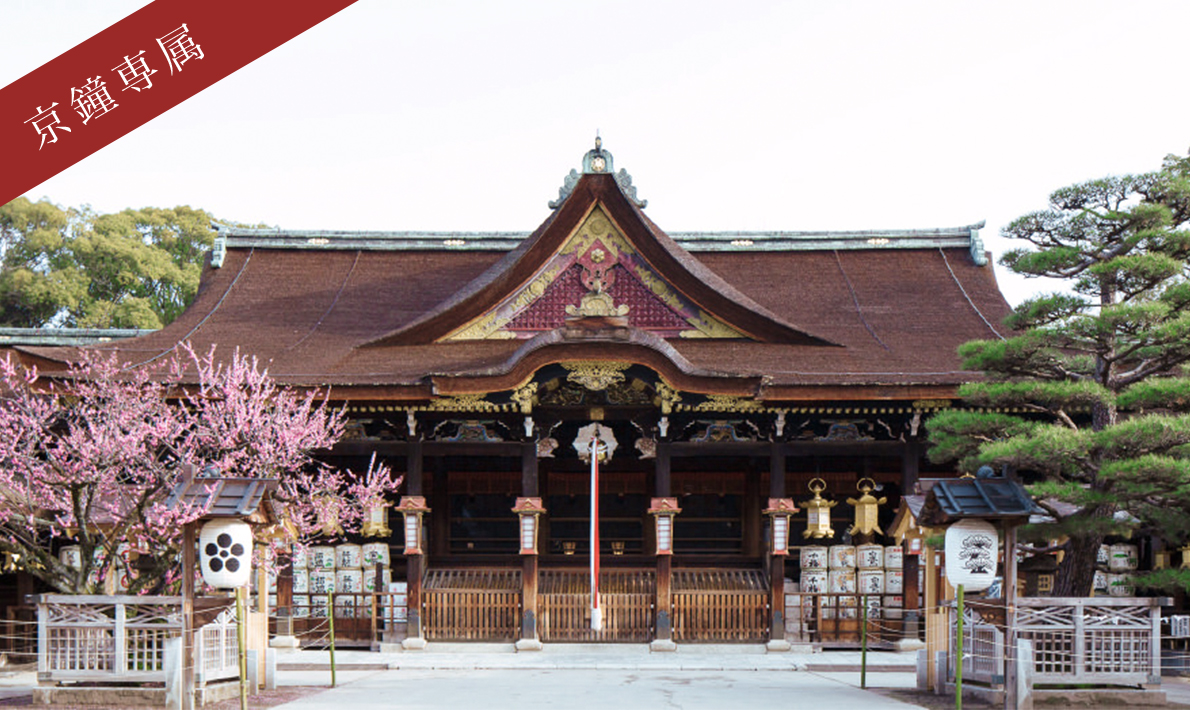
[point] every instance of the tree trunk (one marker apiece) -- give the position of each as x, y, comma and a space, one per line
1076, 574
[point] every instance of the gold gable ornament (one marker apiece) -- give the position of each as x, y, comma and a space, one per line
818, 511
867, 509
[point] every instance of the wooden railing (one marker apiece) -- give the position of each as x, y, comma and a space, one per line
1096, 641
626, 600
720, 605
836, 620
471, 605
123, 639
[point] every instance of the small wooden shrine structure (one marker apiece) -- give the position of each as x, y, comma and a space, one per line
731, 368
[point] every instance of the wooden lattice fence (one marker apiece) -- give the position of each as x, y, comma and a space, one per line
626, 598
720, 605
471, 604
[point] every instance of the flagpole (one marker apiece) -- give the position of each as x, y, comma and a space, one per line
596, 612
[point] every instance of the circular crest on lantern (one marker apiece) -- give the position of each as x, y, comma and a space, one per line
225, 553
972, 548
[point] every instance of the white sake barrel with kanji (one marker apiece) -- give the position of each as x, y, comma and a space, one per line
322, 557
376, 552
870, 581
869, 557
814, 582
349, 556
893, 606
318, 603
349, 581
841, 581
370, 585
301, 581
1120, 585
894, 557
842, 557
322, 581
894, 581
1124, 558
300, 557
814, 556
71, 556
301, 606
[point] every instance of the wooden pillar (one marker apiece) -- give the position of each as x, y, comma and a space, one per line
663, 604
414, 564
439, 500
776, 562
753, 523
188, 659
530, 639
910, 591
910, 461
1010, 666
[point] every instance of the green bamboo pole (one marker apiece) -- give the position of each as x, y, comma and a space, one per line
958, 660
863, 643
330, 618
241, 645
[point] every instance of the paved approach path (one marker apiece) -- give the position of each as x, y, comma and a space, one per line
607, 677
568, 689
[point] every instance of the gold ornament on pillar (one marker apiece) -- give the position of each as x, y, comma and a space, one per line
818, 511
867, 509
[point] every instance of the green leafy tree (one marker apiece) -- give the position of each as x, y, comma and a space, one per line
73, 267
1091, 390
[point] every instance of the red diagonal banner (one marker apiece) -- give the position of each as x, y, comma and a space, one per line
132, 72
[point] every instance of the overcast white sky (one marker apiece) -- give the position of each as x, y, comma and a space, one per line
743, 115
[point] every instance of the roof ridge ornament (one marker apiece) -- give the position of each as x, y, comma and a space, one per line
598, 161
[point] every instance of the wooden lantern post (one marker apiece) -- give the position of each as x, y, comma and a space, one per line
663, 511
779, 511
530, 510
414, 508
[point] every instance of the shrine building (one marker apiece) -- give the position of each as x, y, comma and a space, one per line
722, 372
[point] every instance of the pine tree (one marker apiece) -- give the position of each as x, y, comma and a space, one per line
1091, 392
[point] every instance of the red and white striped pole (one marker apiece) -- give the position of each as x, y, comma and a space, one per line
596, 612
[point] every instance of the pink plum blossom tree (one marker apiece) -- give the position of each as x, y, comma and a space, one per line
88, 459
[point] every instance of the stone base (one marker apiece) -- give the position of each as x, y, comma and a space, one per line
529, 645
778, 646
414, 644
904, 645
663, 646
285, 643
102, 697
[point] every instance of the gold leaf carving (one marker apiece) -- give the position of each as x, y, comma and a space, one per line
595, 374
728, 403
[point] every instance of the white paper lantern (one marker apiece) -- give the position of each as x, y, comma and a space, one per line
972, 550
225, 553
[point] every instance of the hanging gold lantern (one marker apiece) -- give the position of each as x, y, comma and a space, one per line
818, 511
375, 522
867, 509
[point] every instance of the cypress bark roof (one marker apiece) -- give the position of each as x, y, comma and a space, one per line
781, 316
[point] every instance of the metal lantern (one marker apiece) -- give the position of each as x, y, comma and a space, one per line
225, 553
780, 510
375, 523
529, 509
818, 511
867, 509
413, 508
663, 511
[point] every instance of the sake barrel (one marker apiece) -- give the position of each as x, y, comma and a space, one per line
841, 581
349, 556
814, 581
322, 557
848, 612
301, 557
894, 557
893, 606
349, 580
848, 601
376, 552
1099, 582
1103, 556
318, 604
869, 557
1124, 558
870, 581
874, 607
71, 556
301, 606
814, 557
272, 600
322, 581
345, 607
301, 581
370, 585
842, 557
1120, 585
894, 581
